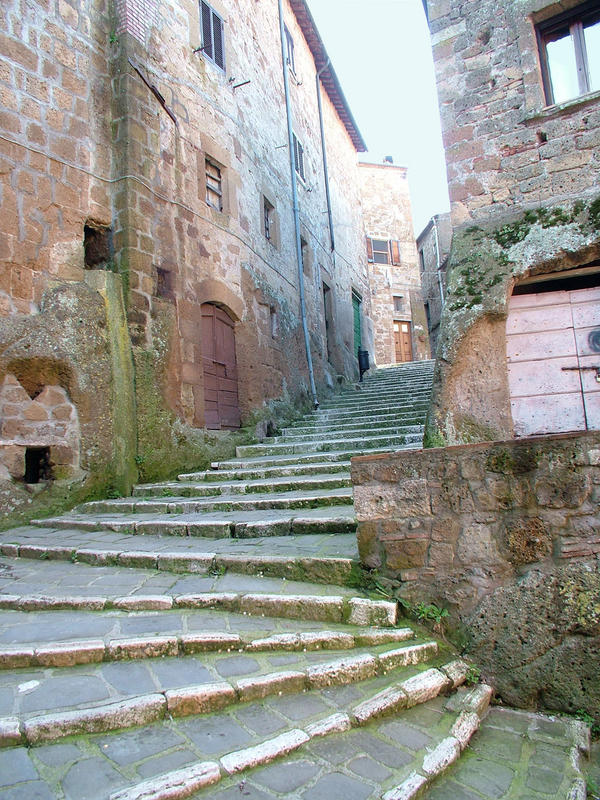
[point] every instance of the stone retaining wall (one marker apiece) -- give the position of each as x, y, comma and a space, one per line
506, 535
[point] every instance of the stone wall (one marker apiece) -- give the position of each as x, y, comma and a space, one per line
433, 247
506, 147
523, 177
506, 536
388, 217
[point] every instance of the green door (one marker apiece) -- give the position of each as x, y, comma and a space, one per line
356, 303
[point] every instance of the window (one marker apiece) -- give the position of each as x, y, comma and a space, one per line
422, 260
164, 284
570, 53
298, 156
398, 304
289, 49
268, 212
214, 185
212, 35
383, 251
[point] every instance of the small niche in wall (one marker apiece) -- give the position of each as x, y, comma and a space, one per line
37, 464
98, 246
164, 284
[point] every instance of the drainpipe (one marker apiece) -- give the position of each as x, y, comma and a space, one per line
288, 108
437, 256
325, 171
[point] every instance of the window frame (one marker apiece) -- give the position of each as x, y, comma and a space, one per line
289, 49
217, 189
574, 20
208, 17
299, 162
392, 251
268, 219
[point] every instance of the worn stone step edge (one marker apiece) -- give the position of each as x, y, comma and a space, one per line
197, 488
207, 698
321, 445
285, 471
215, 529
312, 569
302, 459
184, 782
352, 431
254, 501
360, 611
95, 651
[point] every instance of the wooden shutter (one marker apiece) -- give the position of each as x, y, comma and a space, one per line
369, 250
395, 252
207, 43
219, 56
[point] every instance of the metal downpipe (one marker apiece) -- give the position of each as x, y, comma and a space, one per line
288, 108
324, 151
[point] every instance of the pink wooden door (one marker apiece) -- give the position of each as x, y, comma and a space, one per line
552, 341
221, 409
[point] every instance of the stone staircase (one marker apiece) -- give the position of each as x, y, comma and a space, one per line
207, 637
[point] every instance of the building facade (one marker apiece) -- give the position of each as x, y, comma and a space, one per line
519, 92
400, 329
180, 221
433, 248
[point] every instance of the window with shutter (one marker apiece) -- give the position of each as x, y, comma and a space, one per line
289, 46
395, 252
298, 156
381, 251
213, 45
214, 185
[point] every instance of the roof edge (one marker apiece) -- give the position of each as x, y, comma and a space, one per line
329, 78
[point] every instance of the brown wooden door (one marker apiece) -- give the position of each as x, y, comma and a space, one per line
221, 407
403, 341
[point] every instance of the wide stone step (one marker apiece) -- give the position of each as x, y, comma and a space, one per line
339, 468
242, 524
285, 742
240, 486
352, 432
309, 498
304, 458
102, 697
372, 408
326, 558
380, 422
329, 445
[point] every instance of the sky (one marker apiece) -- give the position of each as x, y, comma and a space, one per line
381, 52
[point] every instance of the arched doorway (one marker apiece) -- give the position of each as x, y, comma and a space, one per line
221, 406
553, 350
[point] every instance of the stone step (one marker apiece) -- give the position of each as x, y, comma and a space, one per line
303, 458
213, 489
279, 742
308, 498
102, 698
413, 400
258, 473
327, 559
329, 445
368, 408
242, 524
352, 432
382, 423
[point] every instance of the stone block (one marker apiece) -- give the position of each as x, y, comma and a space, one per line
464, 727
336, 723
446, 753
69, 654
143, 647
385, 702
209, 642
202, 699
110, 716
410, 788
424, 686
255, 688
265, 752
173, 785
372, 612
403, 656
342, 671
13, 458
10, 732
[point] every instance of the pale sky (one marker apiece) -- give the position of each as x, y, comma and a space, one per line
381, 53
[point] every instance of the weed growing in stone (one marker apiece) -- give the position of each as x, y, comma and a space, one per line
473, 675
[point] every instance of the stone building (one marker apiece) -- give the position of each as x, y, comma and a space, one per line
433, 247
400, 330
518, 88
164, 169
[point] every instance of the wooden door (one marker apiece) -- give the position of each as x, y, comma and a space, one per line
553, 352
356, 304
403, 341
221, 407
